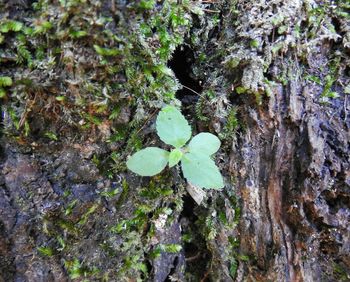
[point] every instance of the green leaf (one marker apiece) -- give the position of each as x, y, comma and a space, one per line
51, 135
46, 251
148, 161
147, 4
254, 43
205, 143
77, 33
164, 70
172, 127
5, 81
171, 248
10, 26
333, 94
106, 51
42, 27
200, 170
240, 89
60, 98
174, 157
2, 93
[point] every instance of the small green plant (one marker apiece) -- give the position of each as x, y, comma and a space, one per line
5, 81
46, 251
197, 165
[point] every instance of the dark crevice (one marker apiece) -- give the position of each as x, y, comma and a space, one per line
148, 265
195, 251
336, 201
172, 270
191, 251
189, 205
181, 63
337, 26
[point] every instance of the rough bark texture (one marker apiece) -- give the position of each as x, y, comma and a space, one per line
271, 79
293, 183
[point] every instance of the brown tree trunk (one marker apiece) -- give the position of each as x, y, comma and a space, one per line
293, 180
270, 79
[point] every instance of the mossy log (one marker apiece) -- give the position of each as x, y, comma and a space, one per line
81, 83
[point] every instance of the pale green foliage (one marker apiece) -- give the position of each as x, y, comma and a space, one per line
204, 142
2, 93
9, 25
149, 161
172, 127
46, 251
201, 170
5, 81
196, 163
174, 157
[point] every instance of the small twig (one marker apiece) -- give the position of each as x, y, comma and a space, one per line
184, 86
209, 2
205, 276
146, 122
210, 11
195, 92
193, 257
113, 6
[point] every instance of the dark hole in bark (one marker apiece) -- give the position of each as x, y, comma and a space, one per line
188, 210
181, 63
336, 201
173, 270
337, 26
148, 265
197, 262
329, 246
347, 70
191, 251
196, 253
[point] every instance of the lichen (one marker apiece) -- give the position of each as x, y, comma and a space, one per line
93, 74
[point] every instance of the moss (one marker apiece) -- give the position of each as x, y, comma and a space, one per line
5, 81
340, 272
76, 66
137, 228
46, 251
124, 194
76, 270
128, 58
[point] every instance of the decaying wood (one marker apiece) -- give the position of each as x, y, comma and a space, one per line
284, 213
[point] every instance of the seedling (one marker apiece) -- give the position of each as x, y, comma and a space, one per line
197, 165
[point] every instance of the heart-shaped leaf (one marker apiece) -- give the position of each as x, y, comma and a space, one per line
172, 127
200, 170
205, 143
149, 161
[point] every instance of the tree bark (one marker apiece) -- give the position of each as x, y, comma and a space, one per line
271, 79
